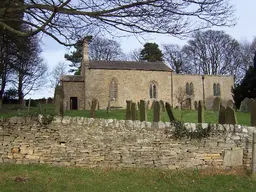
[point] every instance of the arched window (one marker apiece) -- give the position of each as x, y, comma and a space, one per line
214, 89
189, 88
153, 90
113, 89
218, 90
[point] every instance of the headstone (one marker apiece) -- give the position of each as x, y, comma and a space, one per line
169, 112
156, 113
128, 110
195, 105
253, 113
58, 100
152, 106
162, 105
134, 111
231, 104
200, 112
250, 103
244, 105
93, 107
233, 157
216, 104
143, 110
222, 112
230, 116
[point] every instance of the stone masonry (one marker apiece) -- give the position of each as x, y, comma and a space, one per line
90, 142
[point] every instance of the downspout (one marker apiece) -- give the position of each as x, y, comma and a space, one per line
203, 89
172, 88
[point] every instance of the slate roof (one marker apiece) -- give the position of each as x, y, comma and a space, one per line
129, 65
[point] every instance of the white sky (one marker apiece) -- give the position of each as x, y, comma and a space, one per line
244, 30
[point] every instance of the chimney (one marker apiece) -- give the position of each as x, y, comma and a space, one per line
85, 59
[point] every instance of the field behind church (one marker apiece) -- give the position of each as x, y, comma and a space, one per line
184, 115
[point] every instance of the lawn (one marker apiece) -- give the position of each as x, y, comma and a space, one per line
184, 115
53, 179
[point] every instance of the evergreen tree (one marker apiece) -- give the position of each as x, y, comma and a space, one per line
151, 53
247, 87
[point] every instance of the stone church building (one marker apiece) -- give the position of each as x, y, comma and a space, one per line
114, 82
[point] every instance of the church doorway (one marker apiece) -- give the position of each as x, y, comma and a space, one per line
73, 103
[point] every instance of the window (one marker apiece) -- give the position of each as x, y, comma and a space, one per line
113, 89
216, 89
152, 90
189, 88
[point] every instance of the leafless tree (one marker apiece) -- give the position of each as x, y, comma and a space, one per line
133, 55
30, 69
65, 20
214, 53
175, 57
59, 70
104, 49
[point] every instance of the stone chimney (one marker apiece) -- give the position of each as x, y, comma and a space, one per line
85, 59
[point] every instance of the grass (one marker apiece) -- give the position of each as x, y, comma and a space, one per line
184, 115
53, 179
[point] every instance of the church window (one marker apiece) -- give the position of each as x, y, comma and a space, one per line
153, 90
113, 89
216, 89
189, 88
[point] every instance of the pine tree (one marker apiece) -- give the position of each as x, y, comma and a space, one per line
151, 53
247, 87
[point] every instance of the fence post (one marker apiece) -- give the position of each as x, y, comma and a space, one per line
254, 153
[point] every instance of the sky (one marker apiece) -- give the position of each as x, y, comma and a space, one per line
53, 53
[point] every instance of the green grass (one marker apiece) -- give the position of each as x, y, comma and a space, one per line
184, 115
53, 179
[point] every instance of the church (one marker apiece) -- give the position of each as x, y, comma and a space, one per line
114, 82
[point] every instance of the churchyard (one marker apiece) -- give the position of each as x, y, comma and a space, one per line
243, 118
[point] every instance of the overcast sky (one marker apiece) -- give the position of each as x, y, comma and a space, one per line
244, 30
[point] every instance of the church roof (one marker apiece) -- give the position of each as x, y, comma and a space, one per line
129, 65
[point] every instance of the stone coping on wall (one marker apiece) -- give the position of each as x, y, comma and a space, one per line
66, 120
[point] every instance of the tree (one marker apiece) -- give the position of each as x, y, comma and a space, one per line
30, 68
57, 72
151, 53
214, 53
247, 87
99, 49
66, 20
175, 56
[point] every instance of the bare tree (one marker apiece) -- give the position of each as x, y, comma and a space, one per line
30, 69
57, 72
214, 53
65, 20
104, 49
174, 55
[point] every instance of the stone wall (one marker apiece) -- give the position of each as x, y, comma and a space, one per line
111, 143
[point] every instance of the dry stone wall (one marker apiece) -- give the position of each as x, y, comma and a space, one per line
89, 142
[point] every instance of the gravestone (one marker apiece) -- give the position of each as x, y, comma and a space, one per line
222, 112
156, 115
253, 113
93, 107
195, 105
134, 111
162, 105
250, 103
216, 104
128, 110
58, 100
200, 112
143, 110
231, 104
244, 105
169, 112
230, 116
